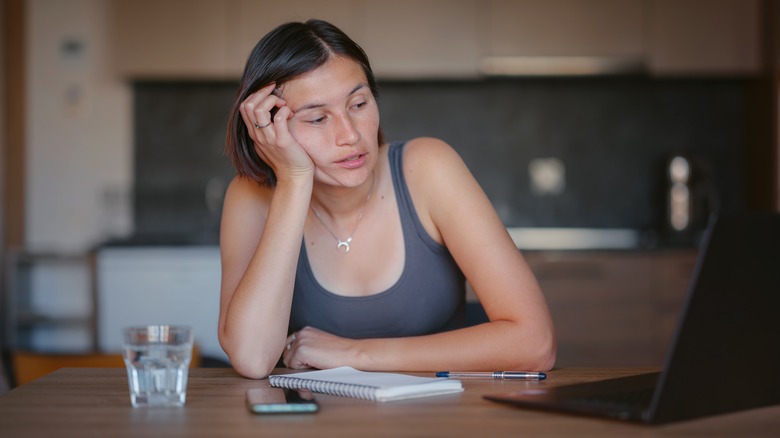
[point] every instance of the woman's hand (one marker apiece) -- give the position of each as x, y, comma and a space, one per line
271, 135
314, 348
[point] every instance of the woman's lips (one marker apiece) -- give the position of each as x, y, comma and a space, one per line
353, 161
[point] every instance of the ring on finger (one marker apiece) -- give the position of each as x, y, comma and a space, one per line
259, 126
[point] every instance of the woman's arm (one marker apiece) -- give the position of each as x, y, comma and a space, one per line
260, 241
455, 211
520, 332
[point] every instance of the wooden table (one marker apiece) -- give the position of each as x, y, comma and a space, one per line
85, 402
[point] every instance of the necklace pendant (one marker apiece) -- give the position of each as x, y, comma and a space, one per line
345, 244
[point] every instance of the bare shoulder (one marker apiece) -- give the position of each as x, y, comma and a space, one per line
428, 160
244, 214
437, 179
428, 151
248, 189
246, 199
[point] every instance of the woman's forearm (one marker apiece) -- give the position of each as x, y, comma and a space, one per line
491, 346
257, 315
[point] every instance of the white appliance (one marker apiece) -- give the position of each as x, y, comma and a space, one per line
159, 285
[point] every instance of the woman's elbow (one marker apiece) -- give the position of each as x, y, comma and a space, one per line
540, 354
251, 369
547, 351
547, 360
248, 364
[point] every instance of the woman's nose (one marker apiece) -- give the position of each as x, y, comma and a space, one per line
346, 132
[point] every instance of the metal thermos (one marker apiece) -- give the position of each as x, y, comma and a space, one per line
679, 204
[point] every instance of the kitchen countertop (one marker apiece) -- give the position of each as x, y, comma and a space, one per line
566, 239
574, 238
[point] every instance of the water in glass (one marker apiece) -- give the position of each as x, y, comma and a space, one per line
157, 370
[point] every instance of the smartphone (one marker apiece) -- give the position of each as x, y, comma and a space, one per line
271, 400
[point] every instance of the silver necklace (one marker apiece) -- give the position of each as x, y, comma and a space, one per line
345, 243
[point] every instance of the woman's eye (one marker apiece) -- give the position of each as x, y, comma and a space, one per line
317, 121
360, 105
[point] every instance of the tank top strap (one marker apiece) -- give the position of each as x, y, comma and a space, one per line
409, 218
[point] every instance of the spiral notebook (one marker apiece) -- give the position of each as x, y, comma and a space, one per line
349, 382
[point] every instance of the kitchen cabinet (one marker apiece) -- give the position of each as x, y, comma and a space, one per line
565, 28
428, 39
661, 37
564, 37
208, 39
153, 285
402, 38
708, 37
50, 302
447, 38
170, 39
252, 19
613, 308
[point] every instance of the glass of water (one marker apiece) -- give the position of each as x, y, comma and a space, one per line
158, 359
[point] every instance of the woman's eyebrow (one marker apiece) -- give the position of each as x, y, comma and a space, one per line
320, 105
357, 87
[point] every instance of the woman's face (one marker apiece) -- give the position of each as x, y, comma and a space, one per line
335, 120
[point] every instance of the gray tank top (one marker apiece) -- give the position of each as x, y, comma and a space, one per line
427, 298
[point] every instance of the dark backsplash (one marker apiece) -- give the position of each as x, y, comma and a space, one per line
614, 136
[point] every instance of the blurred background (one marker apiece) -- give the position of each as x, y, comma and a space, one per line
605, 132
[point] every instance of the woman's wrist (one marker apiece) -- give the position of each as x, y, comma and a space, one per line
363, 357
292, 185
295, 177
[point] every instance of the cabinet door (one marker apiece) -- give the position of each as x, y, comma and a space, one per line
433, 38
50, 303
251, 19
602, 307
613, 308
675, 271
158, 285
565, 28
406, 38
172, 38
703, 36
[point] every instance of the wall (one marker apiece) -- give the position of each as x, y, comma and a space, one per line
181, 170
79, 137
78, 166
3, 378
80, 144
611, 137
2, 134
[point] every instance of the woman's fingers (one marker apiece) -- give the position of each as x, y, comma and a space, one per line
261, 112
287, 354
266, 116
256, 110
279, 125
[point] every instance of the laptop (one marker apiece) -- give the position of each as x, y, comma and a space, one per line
725, 352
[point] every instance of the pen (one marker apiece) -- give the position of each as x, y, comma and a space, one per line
508, 375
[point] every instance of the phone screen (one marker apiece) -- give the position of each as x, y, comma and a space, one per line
280, 401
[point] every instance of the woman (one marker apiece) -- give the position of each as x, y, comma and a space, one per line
338, 249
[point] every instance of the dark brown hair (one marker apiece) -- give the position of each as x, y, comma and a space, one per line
283, 54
